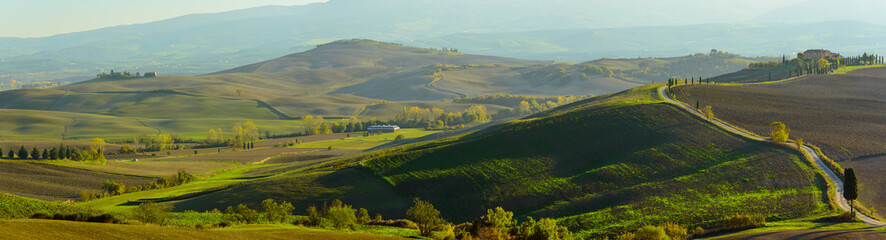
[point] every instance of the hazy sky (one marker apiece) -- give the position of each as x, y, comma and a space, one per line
38, 18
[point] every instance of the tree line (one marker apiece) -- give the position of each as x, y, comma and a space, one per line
61, 152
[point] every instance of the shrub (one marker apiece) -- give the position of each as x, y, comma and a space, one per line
650, 232
242, 213
675, 231
742, 221
363, 216
41, 216
150, 212
341, 215
400, 223
104, 218
399, 136
497, 218
275, 212
314, 217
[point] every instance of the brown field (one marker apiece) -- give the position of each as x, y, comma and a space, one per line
304, 139
54, 229
811, 234
151, 168
842, 114
50, 182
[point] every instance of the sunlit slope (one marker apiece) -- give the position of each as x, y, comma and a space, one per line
601, 166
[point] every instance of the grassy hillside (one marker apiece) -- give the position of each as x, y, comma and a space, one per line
839, 113
12, 207
53, 229
156, 104
600, 166
41, 125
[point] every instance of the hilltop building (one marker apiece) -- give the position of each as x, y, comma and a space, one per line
384, 128
820, 54
150, 74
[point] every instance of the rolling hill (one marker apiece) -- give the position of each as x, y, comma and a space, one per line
837, 112
599, 166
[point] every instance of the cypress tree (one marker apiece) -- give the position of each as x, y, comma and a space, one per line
22, 153
11, 154
53, 153
1, 152
35, 154
45, 154
850, 187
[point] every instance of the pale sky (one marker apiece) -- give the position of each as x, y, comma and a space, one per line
40, 18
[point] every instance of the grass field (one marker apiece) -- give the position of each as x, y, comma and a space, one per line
357, 141
13, 207
809, 228
44, 125
838, 113
600, 166
52, 229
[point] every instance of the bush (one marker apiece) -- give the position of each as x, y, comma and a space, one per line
243, 214
743, 221
150, 212
362, 216
104, 218
41, 216
400, 223
399, 136
314, 217
275, 212
675, 231
650, 232
341, 215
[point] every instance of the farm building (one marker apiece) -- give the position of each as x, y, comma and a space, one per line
384, 128
820, 54
150, 74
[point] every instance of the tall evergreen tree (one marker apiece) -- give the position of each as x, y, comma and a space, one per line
850, 187
35, 154
22, 153
45, 154
11, 154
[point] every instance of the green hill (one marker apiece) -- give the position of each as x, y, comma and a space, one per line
600, 166
13, 207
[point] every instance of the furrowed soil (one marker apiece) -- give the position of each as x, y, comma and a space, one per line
841, 113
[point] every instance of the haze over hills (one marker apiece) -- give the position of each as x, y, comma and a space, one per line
571, 30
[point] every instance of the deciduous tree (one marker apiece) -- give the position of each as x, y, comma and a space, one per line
778, 132
425, 216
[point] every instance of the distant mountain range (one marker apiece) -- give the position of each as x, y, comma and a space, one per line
564, 30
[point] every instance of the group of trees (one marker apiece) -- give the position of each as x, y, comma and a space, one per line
91, 153
156, 142
15, 84
435, 118
111, 188
865, 59
241, 135
496, 224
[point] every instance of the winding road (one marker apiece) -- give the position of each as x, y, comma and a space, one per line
838, 183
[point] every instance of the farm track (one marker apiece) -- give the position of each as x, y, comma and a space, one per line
838, 183
438, 78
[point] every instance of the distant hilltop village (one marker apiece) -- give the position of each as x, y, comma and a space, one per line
123, 75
